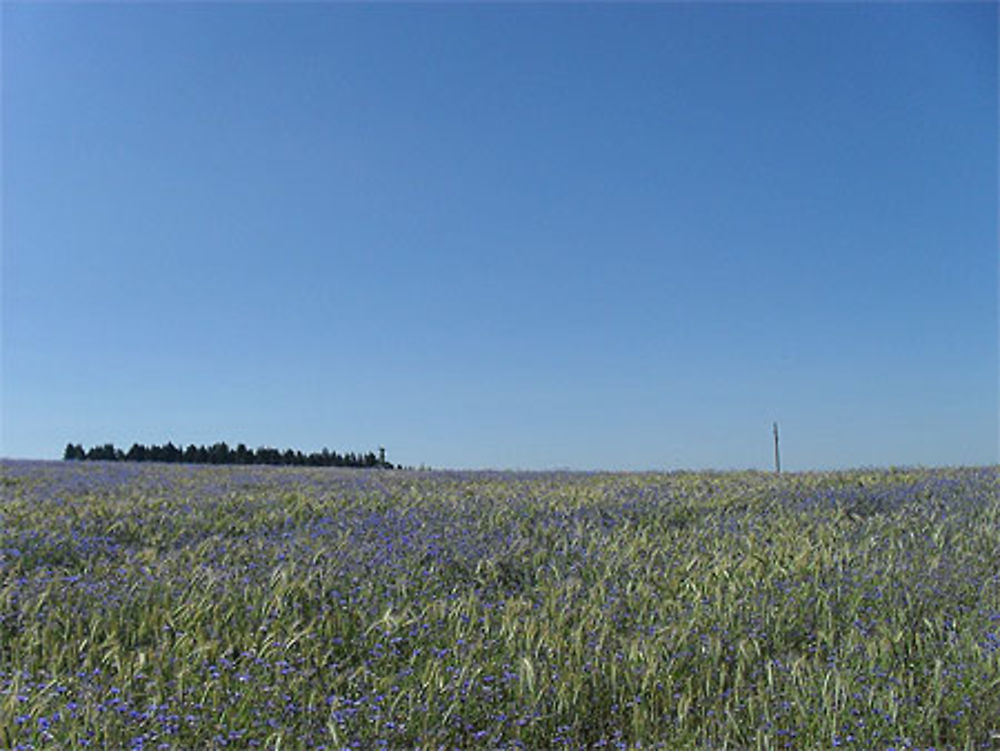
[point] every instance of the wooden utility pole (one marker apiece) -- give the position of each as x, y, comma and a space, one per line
777, 456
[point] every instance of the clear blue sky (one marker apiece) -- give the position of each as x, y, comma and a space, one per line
561, 235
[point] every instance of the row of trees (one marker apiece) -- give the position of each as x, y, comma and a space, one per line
222, 453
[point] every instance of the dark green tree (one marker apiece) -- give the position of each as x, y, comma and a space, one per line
74, 452
136, 454
243, 456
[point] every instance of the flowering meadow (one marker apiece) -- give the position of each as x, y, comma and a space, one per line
164, 606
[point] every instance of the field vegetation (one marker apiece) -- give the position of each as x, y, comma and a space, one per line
164, 606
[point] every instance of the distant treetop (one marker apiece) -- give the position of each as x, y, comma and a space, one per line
221, 453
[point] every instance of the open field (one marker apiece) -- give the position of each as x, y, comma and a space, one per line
181, 607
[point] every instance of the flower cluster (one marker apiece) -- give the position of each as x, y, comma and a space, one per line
174, 607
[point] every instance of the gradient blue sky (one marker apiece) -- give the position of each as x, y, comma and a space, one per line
584, 236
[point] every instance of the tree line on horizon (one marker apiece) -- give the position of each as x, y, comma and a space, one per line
222, 453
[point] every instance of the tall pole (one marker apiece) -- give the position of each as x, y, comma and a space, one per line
777, 456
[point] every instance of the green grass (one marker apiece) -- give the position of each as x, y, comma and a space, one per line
178, 607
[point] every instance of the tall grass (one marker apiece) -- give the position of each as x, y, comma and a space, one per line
175, 607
